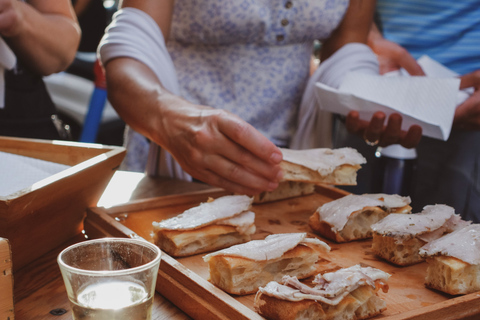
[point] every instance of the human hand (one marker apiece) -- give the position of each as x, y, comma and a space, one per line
392, 57
374, 132
467, 115
10, 18
222, 150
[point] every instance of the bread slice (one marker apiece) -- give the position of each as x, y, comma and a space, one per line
351, 217
452, 275
322, 166
189, 242
243, 268
303, 169
356, 228
362, 303
398, 238
285, 190
454, 261
307, 302
401, 253
213, 225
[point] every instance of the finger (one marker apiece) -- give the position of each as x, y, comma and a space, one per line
408, 62
392, 131
471, 79
354, 124
248, 137
244, 158
234, 178
412, 137
373, 132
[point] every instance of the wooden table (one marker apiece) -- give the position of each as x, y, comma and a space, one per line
39, 288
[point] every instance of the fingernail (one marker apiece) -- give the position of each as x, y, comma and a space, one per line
276, 157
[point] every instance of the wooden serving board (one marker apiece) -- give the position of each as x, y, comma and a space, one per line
184, 281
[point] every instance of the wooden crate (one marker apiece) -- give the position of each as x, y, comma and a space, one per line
46, 214
6, 281
184, 281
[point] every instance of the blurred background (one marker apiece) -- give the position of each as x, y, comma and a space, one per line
79, 89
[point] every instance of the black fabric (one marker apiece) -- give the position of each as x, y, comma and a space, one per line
29, 111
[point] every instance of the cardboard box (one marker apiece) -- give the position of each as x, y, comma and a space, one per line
39, 218
6, 281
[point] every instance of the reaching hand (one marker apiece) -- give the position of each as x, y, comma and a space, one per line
391, 56
376, 133
467, 115
222, 150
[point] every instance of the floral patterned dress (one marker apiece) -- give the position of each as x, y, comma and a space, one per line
250, 57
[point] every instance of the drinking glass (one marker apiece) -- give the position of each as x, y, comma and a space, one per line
110, 278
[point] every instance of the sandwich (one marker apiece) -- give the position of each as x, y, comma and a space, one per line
303, 169
350, 217
454, 261
347, 294
213, 225
242, 268
398, 237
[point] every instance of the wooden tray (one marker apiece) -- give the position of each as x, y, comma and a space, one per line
51, 211
184, 280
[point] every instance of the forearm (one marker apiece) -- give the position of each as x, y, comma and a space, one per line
140, 99
354, 27
45, 40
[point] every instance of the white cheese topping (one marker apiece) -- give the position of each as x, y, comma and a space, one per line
323, 160
207, 213
390, 201
431, 218
242, 221
272, 247
337, 212
463, 244
330, 288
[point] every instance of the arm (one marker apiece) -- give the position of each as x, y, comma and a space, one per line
355, 27
44, 34
210, 144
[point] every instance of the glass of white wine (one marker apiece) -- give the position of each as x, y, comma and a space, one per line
110, 278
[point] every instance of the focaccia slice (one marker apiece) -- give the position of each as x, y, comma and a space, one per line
322, 165
303, 169
211, 226
351, 217
347, 294
398, 237
285, 190
242, 268
454, 261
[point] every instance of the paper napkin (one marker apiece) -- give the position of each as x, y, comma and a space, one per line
20, 172
427, 101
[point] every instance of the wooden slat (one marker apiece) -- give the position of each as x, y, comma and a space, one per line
6, 281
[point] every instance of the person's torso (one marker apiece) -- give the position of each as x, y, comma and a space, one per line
447, 31
250, 57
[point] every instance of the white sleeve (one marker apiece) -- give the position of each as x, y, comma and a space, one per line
351, 57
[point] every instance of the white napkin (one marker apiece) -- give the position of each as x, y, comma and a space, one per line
7, 61
427, 101
20, 172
